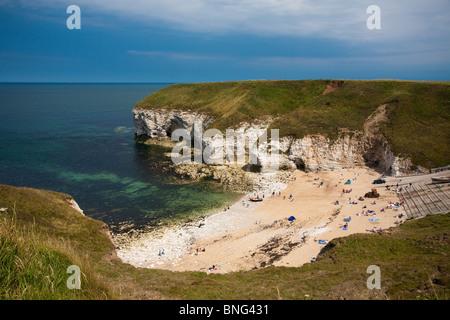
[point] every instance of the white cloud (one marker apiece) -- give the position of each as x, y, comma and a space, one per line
427, 57
177, 55
408, 27
337, 19
392, 59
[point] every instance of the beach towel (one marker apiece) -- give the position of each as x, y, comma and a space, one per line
373, 219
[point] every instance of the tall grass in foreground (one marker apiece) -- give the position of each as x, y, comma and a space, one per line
41, 235
34, 265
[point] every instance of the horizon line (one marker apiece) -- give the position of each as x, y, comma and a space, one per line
80, 82
177, 82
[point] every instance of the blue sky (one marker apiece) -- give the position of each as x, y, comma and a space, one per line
223, 40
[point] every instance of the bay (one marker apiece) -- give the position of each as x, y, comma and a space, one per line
79, 139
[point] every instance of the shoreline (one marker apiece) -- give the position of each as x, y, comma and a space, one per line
143, 250
258, 235
175, 240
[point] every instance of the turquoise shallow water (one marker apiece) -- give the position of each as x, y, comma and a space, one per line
79, 139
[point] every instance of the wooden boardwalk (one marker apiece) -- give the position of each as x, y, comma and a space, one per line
423, 198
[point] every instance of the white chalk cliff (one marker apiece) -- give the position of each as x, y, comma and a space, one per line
308, 153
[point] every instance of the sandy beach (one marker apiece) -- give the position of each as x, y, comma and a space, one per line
252, 235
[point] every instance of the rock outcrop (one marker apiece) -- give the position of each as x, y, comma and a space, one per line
161, 123
309, 153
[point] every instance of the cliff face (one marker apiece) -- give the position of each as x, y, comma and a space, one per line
161, 124
309, 153
318, 152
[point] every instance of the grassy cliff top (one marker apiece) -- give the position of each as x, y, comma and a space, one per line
41, 235
418, 111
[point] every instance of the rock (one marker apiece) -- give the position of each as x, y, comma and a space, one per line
162, 123
75, 205
309, 153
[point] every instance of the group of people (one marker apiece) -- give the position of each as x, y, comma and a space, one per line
367, 213
344, 227
214, 267
197, 251
395, 204
374, 230
291, 197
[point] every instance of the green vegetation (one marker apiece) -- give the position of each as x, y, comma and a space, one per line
41, 235
418, 112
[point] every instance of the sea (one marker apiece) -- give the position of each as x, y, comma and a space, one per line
79, 139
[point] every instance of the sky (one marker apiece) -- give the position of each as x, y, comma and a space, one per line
167, 41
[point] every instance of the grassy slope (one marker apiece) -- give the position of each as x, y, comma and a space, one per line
419, 116
40, 237
43, 236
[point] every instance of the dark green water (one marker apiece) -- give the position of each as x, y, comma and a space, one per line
79, 139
